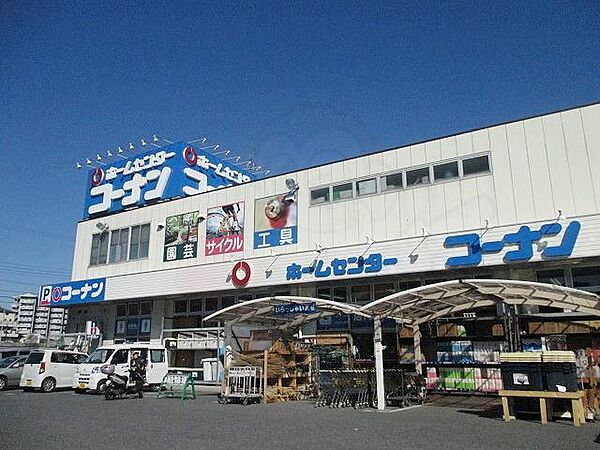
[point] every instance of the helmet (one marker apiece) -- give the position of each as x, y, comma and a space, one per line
107, 369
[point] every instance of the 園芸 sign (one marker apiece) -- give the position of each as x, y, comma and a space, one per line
176, 170
352, 265
73, 293
519, 245
181, 236
295, 308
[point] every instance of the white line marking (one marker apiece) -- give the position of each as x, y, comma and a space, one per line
402, 409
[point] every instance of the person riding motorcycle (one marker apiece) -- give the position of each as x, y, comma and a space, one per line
137, 372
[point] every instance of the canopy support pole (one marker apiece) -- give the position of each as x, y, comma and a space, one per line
378, 347
417, 345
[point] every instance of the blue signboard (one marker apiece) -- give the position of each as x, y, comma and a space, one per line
352, 265
176, 170
295, 308
523, 240
334, 322
73, 293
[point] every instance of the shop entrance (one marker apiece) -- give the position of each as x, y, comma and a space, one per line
411, 309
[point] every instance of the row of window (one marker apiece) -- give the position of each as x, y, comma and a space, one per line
125, 244
402, 179
585, 278
134, 309
211, 304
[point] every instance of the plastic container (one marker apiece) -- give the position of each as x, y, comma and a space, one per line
522, 371
560, 371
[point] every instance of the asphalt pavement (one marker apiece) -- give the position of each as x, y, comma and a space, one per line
65, 420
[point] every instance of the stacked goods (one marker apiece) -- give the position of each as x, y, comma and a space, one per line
332, 357
432, 380
464, 379
487, 351
522, 371
488, 379
532, 345
560, 370
288, 374
455, 352
406, 353
451, 330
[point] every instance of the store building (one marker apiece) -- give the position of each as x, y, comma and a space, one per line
516, 201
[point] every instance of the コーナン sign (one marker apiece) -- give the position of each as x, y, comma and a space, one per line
176, 170
73, 292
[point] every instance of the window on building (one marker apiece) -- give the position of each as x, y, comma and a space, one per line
121, 310
552, 277
181, 306
473, 166
587, 278
211, 304
133, 309
417, 176
324, 293
392, 182
342, 192
99, 249
408, 284
383, 290
118, 245
366, 187
361, 295
145, 308
320, 195
140, 240
227, 300
196, 305
135, 239
446, 171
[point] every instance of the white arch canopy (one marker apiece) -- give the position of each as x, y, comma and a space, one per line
425, 303
261, 311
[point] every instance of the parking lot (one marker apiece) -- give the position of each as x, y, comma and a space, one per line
67, 420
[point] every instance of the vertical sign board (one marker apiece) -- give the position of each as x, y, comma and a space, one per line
225, 229
181, 237
73, 293
172, 171
275, 221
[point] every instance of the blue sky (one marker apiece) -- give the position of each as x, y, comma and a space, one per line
325, 80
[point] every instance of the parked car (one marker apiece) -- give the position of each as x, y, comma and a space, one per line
89, 376
10, 371
5, 352
50, 369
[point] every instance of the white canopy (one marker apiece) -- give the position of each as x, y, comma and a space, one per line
425, 303
261, 311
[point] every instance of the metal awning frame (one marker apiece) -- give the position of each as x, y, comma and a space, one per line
424, 303
260, 312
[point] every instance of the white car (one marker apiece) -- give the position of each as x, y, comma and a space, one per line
89, 376
50, 369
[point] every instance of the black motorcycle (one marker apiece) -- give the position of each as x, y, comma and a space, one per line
117, 385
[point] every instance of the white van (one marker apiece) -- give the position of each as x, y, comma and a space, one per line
50, 369
90, 377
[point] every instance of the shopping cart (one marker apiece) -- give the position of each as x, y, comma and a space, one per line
344, 388
242, 385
